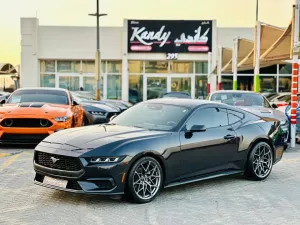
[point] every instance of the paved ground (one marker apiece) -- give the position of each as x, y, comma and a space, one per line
229, 200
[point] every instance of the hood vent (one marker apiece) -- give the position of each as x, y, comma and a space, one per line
34, 105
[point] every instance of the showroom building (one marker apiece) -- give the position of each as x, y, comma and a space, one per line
140, 61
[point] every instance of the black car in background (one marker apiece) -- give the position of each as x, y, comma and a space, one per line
176, 94
138, 152
95, 113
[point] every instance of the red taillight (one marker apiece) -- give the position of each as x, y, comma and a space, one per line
282, 104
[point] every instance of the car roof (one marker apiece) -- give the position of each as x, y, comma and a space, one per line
235, 91
43, 88
190, 103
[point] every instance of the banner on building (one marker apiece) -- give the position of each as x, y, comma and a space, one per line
170, 36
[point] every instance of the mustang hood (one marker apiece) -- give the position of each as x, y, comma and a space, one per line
266, 112
100, 135
35, 108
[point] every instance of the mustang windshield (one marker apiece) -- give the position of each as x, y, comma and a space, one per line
47, 96
153, 116
239, 99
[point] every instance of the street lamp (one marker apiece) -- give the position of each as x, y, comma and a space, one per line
256, 10
98, 55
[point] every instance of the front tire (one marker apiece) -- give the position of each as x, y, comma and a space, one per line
260, 162
145, 180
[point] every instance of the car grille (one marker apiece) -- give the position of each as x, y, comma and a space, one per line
22, 138
59, 162
17, 122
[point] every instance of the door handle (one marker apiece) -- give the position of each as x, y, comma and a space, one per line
229, 137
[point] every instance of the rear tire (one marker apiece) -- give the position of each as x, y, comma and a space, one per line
145, 180
260, 162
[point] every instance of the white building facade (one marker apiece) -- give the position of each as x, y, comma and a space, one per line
140, 61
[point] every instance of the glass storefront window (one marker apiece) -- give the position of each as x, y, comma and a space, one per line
68, 66
227, 82
285, 69
156, 87
267, 84
181, 67
114, 86
135, 88
47, 66
245, 83
201, 87
285, 84
135, 66
156, 67
47, 80
201, 67
182, 84
89, 66
114, 66
69, 82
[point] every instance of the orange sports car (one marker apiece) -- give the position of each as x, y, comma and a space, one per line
31, 114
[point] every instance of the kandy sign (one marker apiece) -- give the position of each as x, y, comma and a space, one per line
170, 36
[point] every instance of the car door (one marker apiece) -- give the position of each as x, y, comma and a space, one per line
211, 150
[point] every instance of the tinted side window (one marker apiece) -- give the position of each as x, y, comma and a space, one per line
234, 116
209, 117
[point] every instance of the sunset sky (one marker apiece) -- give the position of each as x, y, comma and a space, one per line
228, 13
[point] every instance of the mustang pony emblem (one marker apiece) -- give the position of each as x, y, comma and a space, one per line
54, 160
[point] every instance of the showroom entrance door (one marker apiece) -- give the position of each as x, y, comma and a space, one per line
156, 85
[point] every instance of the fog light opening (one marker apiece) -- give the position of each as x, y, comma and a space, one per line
8, 122
44, 123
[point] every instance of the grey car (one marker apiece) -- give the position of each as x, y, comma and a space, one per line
255, 103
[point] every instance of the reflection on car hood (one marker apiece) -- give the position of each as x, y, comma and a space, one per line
265, 112
34, 108
99, 135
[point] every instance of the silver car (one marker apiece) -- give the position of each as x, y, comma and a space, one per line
255, 103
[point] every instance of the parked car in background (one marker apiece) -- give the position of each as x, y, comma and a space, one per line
270, 95
139, 153
175, 94
95, 113
31, 114
282, 99
4, 96
89, 98
254, 103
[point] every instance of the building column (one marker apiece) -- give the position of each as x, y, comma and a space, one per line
29, 68
125, 84
220, 68
257, 56
209, 73
235, 62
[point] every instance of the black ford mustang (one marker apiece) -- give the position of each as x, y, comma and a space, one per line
158, 144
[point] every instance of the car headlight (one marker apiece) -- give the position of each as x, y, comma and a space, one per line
104, 160
98, 113
61, 119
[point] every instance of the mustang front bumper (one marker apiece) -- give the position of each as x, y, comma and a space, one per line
76, 174
27, 129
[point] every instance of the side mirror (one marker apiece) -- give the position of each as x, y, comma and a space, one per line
274, 106
198, 128
3, 102
74, 103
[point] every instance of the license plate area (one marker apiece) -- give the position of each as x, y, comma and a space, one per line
55, 182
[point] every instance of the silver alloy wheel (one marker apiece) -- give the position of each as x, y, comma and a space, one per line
263, 160
146, 180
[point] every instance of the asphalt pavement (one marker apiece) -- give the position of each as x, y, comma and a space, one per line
226, 200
